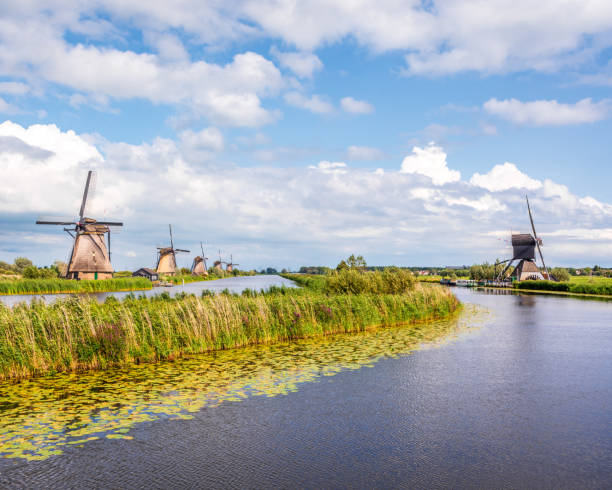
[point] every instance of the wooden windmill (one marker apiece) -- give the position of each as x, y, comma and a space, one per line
523, 250
166, 257
90, 257
198, 268
218, 264
230, 264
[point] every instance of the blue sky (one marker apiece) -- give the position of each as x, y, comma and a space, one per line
292, 134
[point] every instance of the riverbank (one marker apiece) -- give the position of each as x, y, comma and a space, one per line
67, 286
80, 334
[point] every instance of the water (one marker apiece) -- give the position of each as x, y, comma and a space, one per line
518, 394
234, 284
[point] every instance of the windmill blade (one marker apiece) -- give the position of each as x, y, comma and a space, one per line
202, 248
171, 240
109, 249
64, 223
89, 187
109, 223
535, 235
181, 250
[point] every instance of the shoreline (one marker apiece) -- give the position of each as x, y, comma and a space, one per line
85, 335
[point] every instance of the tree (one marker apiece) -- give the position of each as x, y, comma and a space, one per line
358, 262
62, 268
560, 274
21, 263
30, 272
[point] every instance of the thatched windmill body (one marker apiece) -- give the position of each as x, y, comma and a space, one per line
166, 257
230, 265
90, 257
198, 268
523, 250
218, 264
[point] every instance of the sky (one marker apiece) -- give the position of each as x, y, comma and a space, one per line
297, 133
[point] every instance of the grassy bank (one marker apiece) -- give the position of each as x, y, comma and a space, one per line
602, 287
44, 286
79, 334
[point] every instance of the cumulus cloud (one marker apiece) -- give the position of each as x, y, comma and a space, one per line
504, 177
304, 65
354, 106
549, 112
330, 167
366, 153
266, 215
431, 162
315, 103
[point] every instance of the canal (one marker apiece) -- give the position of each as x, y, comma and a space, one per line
515, 393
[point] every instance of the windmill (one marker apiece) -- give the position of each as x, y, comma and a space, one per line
166, 257
230, 264
523, 250
218, 264
198, 268
90, 256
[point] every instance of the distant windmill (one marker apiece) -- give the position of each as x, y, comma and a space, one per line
90, 256
230, 264
166, 257
218, 264
523, 250
198, 268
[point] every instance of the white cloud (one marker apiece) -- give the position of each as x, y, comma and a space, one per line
330, 167
304, 65
549, 112
366, 153
208, 139
315, 103
7, 108
14, 88
354, 106
256, 212
431, 162
504, 177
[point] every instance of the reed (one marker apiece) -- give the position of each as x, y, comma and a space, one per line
44, 286
600, 287
78, 334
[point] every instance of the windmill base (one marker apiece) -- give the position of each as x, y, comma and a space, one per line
89, 276
527, 270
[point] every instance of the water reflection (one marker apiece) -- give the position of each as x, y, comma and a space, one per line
233, 284
39, 417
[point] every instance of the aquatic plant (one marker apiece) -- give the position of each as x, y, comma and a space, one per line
77, 334
57, 285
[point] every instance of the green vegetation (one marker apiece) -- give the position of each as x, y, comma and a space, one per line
78, 334
485, 271
560, 274
48, 286
602, 286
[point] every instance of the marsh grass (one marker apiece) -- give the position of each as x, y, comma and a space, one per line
601, 286
50, 286
79, 334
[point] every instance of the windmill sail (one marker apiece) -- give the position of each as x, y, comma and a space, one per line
535, 235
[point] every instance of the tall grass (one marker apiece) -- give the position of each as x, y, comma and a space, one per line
596, 287
78, 334
42, 286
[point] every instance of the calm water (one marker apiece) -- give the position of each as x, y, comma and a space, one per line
518, 394
234, 284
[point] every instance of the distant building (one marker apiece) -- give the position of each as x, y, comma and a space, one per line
150, 274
